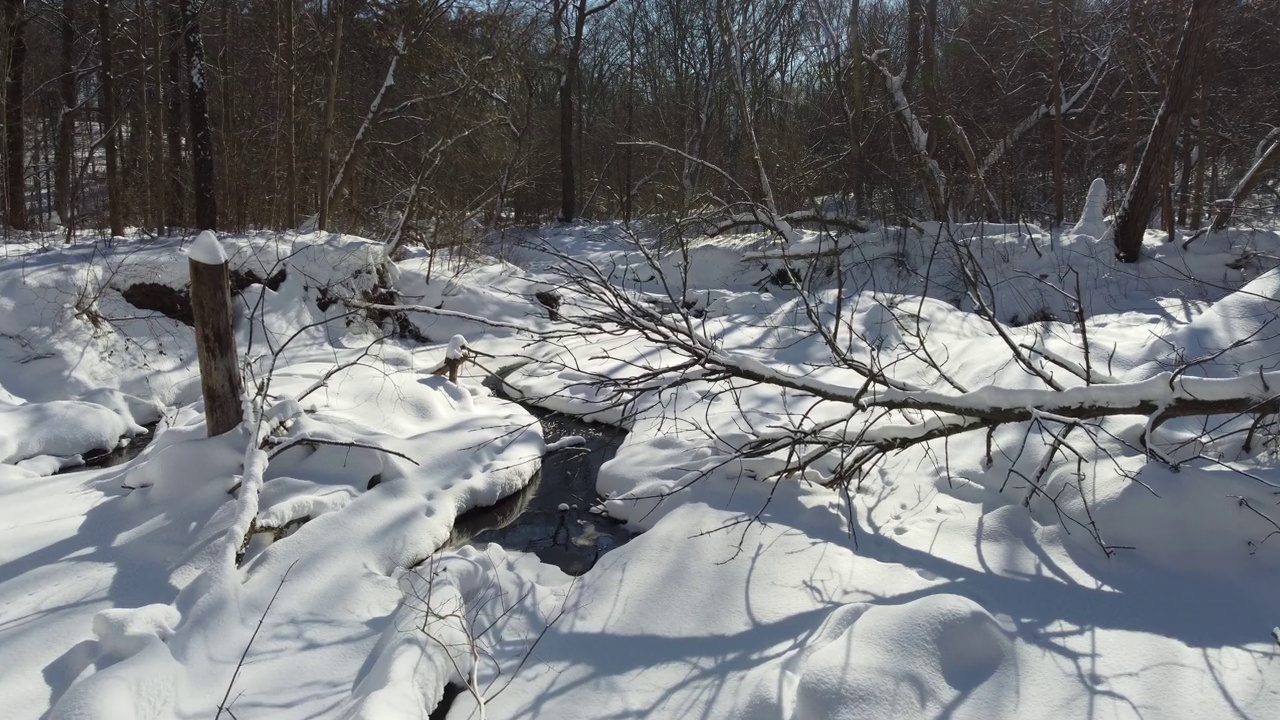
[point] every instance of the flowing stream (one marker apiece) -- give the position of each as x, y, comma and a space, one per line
551, 517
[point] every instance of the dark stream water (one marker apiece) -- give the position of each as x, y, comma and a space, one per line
551, 516
118, 455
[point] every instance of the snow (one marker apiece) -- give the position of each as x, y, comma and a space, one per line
1092, 219
568, 441
207, 250
70, 427
133, 591
457, 348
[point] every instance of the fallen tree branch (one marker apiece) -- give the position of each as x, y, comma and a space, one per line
428, 310
794, 218
336, 443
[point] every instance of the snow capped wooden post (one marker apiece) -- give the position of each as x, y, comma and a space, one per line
215, 343
455, 356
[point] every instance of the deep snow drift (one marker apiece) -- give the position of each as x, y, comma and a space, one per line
306, 542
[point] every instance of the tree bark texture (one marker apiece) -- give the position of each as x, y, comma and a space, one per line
216, 346
201, 135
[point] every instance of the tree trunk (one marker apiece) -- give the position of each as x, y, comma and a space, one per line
175, 203
627, 171
913, 46
568, 78
141, 136
343, 173
985, 199
331, 98
1247, 185
1183, 185
290, 121
201, 135
158, 190
1202, 142
1131, 67
226, 146
14, 125
935, 181
1059, 211
855, 81
115, 215
67, 120
215, 342
1145, 189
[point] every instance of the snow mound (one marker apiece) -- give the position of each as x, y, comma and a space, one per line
1197, 525
141, 686
1241, 330
1092, 219
126, 632
61, 428
207, 250
922, 659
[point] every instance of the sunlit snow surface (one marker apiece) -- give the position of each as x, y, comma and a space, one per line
952, 599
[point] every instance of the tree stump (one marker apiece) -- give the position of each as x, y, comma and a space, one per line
215, 344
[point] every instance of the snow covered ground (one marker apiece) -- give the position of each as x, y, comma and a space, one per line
131, 592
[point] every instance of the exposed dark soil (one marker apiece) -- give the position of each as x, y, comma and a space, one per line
175, 304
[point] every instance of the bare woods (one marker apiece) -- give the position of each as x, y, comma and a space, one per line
390, 117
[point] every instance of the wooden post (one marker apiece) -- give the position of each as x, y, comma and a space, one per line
215, 343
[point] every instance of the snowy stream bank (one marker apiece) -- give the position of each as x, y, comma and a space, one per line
370, 586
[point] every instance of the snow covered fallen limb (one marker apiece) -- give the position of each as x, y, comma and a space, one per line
1160, 398
427, 309
1163, 397
794, 218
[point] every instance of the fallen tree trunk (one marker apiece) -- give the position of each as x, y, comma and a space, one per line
795, 218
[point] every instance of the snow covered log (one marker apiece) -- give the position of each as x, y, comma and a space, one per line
795, 218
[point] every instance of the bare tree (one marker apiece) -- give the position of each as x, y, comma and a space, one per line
69, 104
201, 136
110, 122
290, 116
572, 14
14, 123
1145, 189
337, 9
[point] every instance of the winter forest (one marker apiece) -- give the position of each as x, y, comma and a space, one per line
612, 359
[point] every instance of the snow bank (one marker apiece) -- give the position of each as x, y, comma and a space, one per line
71, 427
939, 655
372, 484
